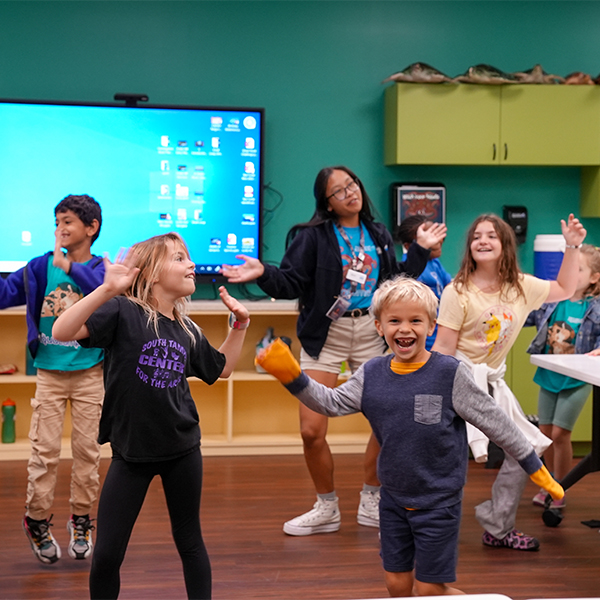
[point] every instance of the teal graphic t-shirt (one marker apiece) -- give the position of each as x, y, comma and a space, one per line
61, 293
563, 326
362, 296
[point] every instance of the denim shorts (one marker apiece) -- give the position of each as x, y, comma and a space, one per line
423, 540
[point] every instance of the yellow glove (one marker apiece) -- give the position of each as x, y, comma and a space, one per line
543, 478
278, 360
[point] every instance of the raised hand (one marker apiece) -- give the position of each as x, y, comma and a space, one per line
249, 270
430, 234
235, 306
60, 260
119, 276
573, 231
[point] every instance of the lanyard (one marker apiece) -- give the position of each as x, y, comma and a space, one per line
357, 261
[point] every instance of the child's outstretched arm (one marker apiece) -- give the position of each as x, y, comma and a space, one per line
278, 360
566, 280
232, 346
118, 276
481, 410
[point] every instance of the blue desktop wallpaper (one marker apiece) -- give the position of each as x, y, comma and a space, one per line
152, 170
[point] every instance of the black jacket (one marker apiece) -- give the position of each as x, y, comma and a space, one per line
311, 270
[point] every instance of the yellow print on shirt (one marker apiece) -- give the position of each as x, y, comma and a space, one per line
494, 329
58, 300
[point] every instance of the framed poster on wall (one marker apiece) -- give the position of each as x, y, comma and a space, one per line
428, 199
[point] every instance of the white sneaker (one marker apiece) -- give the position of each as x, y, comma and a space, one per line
368, 509
323, 518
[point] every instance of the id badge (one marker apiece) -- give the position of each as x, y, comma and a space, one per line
338, 308
356, 276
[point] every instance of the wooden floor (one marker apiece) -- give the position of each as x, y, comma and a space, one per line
245, 502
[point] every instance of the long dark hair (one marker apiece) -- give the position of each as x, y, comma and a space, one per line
322, 214
509, 272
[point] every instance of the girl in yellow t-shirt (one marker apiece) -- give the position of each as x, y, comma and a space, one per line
481, 314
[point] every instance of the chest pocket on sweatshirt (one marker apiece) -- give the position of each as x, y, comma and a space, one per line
428, 409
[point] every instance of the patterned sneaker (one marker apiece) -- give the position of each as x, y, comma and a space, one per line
515, 540
43, 545
80, 530
540, 498
368, 509
323, 518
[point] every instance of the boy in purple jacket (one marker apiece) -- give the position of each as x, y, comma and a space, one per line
48, 285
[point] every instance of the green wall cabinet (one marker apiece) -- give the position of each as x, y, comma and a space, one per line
442, 124
448, 124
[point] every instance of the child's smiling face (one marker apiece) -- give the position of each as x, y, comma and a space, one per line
405, 325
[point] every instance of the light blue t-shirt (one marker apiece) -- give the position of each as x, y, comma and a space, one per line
563, 325
61, 293
362, 296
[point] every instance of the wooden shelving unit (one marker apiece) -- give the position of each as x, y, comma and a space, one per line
249, 413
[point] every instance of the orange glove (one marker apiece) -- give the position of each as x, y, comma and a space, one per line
278, 360
543, 478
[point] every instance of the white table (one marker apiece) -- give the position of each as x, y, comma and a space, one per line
584, 368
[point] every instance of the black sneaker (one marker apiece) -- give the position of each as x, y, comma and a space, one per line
43, 545
80, 530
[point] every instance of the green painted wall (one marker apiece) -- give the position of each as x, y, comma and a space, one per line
316, 67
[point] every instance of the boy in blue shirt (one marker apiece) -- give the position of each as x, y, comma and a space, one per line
48, 285
417, 403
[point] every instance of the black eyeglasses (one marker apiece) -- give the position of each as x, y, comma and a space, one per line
342, 193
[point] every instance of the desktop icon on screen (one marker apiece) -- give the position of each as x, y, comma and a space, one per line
231, 239
164, 141
181, 191
250, 122
249, 144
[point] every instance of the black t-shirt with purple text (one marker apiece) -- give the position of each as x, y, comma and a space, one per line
149, 413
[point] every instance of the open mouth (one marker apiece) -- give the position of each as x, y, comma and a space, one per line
405, 343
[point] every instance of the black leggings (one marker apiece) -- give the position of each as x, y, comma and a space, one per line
120, 503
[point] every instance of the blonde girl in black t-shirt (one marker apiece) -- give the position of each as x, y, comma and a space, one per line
149, 417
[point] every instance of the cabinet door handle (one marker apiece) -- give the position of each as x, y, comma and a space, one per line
494, 155
505, 151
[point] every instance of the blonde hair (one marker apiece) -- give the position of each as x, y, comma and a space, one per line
593, 259
403, 288
151, 256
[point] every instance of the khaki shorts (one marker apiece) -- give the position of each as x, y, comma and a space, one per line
351, 339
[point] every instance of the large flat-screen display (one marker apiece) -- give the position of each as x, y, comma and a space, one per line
153, 169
